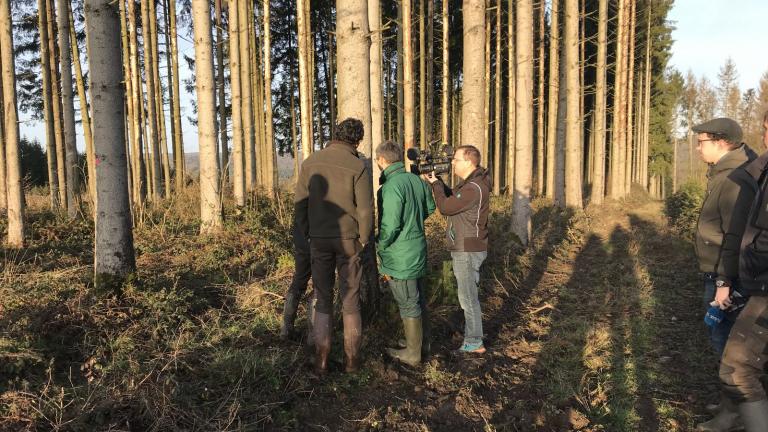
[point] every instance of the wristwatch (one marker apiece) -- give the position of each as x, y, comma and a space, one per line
722, 284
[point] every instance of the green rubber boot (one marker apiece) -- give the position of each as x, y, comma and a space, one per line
414, 333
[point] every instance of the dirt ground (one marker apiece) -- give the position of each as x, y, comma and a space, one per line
601, 331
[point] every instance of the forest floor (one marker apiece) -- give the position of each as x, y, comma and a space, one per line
597, 326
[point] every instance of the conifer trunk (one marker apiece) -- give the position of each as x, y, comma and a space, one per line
598, 179
573, 134
50, 139
210, 198
497, 106
114, 252
553, 97
238, 168
178, 141
84, 115
10, 129
521, 210
68, 107
305, 86
445, 108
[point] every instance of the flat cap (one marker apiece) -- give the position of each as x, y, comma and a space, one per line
722, 126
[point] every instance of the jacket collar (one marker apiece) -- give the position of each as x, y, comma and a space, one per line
733, 159
478, 172
758, 166
342, 145
395, 168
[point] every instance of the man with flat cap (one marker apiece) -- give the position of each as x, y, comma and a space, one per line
721, 225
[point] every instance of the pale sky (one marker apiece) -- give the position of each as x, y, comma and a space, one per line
710, 31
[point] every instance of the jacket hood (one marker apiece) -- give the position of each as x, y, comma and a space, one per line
733, 159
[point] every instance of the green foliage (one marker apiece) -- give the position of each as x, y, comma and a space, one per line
682, 208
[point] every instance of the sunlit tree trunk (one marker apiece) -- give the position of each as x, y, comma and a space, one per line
377, 94
573, 134
598, 179
210, 197
445, 108
422, 79
647, 106
13, 179
409, 128
114, 253
487, 130
128, 108
246, 85
139, 167
430, 74
553, 98
154, 137
221, 93
497, 106
619, 101
84, 115
67, 100
157, 94
272, 181
178, 141
3, 165
305, 74
521, 209
58, 128
628, 134
540, 151
238, 173
473, 121
400, 80
511, 95
50, 139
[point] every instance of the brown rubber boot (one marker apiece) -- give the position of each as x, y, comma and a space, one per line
289, 315
726, 420
414, 333
353, 338
322, 332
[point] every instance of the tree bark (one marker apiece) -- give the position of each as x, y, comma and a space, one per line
139, 167
114, 253
445, 107
178, 141
210, 198
473, 120
511, 95
521, 209
84, 115
246, 85
377, 95
487, 130
67, 100
305, 74
422, 79
238, 173
628, 134
272, 182
157, 93
50, 139
409, 128
616, 179
152, 117
573, 134
221, 100
598, 179
58, 127
13, 179
553, 99
497, 106
540, 151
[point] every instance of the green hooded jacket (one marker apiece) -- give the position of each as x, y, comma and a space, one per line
404, 201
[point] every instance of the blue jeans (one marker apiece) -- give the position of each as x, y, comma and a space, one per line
718, 335
466, 268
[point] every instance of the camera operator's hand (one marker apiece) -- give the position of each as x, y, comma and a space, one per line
431, 177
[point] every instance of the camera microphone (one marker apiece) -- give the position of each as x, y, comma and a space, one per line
413, 153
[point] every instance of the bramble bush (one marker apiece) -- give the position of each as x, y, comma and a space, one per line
682, 208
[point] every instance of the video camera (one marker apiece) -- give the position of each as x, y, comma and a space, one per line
435, 158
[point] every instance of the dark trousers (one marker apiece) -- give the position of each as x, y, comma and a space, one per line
746, 353
328, 255
301, 273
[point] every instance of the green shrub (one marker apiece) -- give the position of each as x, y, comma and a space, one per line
682, 209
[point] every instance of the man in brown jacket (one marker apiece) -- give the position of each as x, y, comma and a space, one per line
334, 210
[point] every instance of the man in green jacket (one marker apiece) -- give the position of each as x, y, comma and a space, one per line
404, 202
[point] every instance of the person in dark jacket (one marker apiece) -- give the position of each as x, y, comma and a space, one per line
723, 214
334, 210
746, 353
466, 206
404, 203
719, 231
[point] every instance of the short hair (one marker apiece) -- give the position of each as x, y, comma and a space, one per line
471, 153
390, 151
732, 145
349, 130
